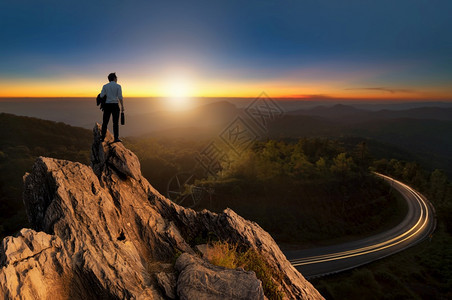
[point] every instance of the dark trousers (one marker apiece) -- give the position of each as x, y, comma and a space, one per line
111, 109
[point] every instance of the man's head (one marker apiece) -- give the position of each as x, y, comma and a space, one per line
112, 77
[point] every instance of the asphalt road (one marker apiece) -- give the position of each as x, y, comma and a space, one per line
418, 224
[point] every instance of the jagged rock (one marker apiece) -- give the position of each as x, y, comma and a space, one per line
25, 245
202, 249
108, 155
199, 279
167, 282
104, 232
27, 261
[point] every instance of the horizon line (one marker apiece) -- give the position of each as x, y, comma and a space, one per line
279, 98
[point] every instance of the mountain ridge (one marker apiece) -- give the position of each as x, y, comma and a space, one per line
339, 111
104, 231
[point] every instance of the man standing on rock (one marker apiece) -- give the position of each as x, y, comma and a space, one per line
114, 95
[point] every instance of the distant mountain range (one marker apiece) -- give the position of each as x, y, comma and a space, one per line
425, 132
347, 113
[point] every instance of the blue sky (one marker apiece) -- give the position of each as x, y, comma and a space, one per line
287, 47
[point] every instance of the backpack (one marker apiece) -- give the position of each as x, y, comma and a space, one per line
101, 101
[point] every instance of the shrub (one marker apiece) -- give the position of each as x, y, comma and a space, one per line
228, 256
223, 254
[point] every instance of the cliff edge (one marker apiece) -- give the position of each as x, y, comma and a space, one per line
103, 232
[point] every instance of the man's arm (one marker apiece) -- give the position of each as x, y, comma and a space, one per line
122, 104
120, 98
103, 92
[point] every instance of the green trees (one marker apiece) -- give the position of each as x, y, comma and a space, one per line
343, 165
434, 185
303, 190
276, 160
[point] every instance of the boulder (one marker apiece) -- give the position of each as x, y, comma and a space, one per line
199, 279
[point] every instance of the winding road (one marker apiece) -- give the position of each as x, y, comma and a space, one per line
418, 224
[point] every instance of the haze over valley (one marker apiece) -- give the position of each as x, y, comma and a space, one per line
419, 131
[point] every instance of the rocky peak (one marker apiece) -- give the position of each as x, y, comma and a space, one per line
102, 231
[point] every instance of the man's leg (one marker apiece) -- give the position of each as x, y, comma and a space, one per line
115, 113
106, 118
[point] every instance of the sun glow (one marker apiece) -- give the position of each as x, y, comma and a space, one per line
178, 91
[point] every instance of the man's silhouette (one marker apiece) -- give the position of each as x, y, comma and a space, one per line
114, 96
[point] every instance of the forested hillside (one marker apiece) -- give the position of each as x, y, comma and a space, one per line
23, 139
307, 191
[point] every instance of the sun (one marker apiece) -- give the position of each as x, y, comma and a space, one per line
177, 93
178, 88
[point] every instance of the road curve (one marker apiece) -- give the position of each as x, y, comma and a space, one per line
418, 224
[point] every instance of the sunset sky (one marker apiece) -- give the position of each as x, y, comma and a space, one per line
310, 49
